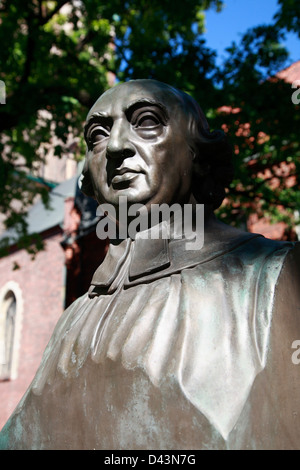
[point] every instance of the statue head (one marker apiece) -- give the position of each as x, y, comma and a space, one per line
151, 143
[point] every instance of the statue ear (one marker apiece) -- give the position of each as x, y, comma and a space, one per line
203, 184
201, 169
86, 183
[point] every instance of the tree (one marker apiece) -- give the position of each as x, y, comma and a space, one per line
288, 16
263, 124
56, 59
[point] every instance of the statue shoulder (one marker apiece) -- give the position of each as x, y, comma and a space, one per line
291, 267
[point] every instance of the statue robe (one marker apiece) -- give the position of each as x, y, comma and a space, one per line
173, 349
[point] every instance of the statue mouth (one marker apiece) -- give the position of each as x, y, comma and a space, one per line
124, 174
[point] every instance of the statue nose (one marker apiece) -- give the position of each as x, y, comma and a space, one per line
119, 145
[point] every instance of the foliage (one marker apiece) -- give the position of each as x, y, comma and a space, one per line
263, 128
57, 57
288, 16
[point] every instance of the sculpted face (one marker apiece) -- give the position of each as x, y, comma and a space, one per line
137, 146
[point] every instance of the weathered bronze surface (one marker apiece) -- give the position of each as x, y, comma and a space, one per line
170, 348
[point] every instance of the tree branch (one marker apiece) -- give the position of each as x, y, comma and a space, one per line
40, 2
53, 12
29, 57
9, 120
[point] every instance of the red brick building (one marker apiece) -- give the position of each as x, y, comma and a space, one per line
33, 297
286, 170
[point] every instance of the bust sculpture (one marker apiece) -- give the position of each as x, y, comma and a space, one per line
171, 348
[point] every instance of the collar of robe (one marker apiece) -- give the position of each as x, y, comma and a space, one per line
147, 258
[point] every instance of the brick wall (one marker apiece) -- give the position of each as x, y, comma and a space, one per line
42, 284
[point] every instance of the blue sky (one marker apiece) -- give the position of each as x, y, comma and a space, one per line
239, 15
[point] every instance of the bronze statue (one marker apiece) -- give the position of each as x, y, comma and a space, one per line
171, 348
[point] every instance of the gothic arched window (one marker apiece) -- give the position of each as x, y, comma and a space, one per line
9, 332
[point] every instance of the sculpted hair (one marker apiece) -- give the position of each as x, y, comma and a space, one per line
85, 182
213, 169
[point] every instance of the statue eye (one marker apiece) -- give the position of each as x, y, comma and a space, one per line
147, 121
97, 133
